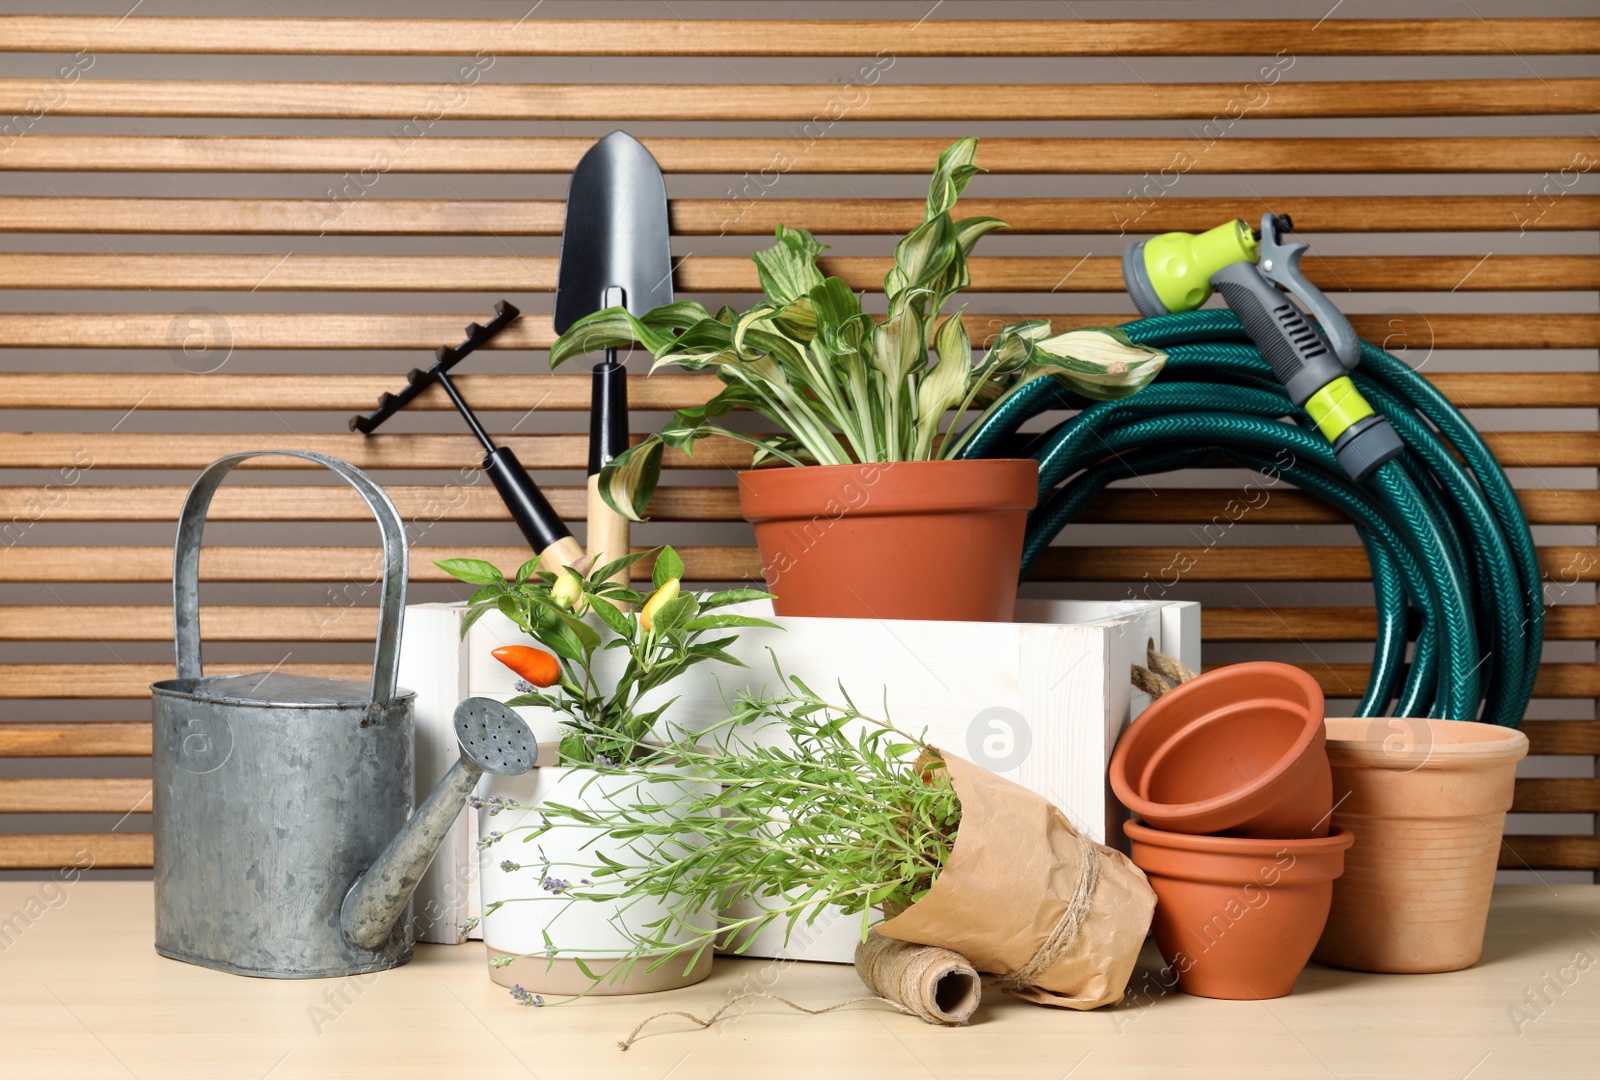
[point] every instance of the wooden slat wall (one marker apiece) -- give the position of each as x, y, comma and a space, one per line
299, 272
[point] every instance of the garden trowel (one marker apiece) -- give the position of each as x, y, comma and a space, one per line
615, 252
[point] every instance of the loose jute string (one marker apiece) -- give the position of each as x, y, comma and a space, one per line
714, 1017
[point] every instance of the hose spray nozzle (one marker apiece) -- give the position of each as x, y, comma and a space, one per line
1248, 266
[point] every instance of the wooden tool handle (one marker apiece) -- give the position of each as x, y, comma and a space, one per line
608, 532
564, 552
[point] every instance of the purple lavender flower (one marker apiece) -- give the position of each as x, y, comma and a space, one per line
555, 886
490, 839
526, 997
510, 867
467, 927
523, 686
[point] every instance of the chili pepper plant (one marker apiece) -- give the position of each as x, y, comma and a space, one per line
663, 635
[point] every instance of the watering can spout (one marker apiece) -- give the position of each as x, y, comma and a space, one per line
493, 739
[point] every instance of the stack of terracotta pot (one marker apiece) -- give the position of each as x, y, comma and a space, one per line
1245, 829
1229, 776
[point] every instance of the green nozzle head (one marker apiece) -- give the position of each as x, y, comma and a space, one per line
1172, 272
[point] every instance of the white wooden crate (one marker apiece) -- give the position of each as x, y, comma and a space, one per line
1041, 700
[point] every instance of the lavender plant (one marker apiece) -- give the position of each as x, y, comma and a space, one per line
799, 805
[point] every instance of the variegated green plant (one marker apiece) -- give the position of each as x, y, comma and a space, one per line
842, 385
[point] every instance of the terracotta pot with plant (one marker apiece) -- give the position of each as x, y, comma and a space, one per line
865, 502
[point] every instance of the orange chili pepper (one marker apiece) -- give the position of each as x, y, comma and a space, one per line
535, 665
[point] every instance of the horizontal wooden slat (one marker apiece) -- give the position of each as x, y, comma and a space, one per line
1152, 565
417, 505
1286, 507
677, 502
86, 682
104, 851
88, 622
1574, 622
127, 622
1156, 565
719, 217
1016, 156
1562, 737
570, 392
74, 795
1550, 853
107, 739
1557, 795
717, 273
1413, 332
932, 36
799, 102
1554, 680
409, 451
100, 739
97, 681
337, 564
68, 450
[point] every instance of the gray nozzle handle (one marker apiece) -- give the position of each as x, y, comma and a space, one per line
1302, 361
1299, 355
1280, 263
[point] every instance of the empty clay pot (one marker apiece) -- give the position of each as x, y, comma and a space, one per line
1237, 751
1237, 918
1427, 800
905, 540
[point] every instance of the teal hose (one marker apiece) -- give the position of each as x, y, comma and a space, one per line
1455, 572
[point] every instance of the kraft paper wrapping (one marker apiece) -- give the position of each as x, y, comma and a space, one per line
1059, 918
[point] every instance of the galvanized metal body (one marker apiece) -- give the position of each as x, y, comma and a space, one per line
273, 792
265, 814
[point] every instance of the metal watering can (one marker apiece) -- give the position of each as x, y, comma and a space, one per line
283, 847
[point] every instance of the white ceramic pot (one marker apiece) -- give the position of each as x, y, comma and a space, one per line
537, 900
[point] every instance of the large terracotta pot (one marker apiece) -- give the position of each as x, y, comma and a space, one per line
1238, 918
1237, 751
906, 540
1427, 800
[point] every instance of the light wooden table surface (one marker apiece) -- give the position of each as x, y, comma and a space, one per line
83, 994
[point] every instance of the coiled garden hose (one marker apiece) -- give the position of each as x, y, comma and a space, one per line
1454, 566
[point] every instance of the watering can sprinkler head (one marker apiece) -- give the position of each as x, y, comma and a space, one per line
492, 739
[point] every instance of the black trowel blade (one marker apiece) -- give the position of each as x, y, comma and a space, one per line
616, 232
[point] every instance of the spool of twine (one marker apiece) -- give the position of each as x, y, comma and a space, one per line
935, 985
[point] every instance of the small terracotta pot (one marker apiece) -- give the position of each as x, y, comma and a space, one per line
906, 540
1428, 801
1237, 751
1237, 918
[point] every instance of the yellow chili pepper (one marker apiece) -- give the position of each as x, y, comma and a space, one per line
659, 599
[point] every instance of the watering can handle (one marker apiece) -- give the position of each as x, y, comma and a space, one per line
186, 564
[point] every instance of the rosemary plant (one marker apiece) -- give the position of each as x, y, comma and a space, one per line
841, 385
663, 635
798, 805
